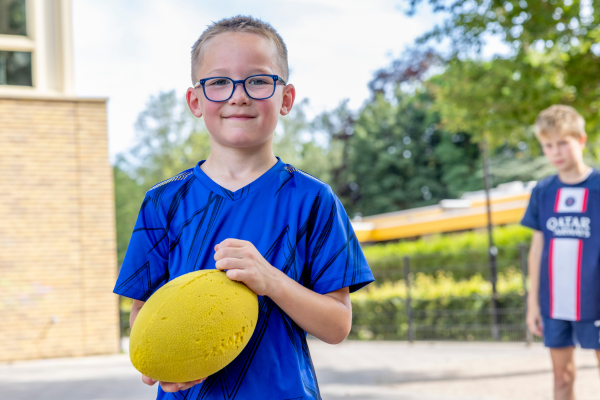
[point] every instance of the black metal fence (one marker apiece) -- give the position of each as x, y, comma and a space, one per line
446, 318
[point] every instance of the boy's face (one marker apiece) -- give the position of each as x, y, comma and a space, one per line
240, 121
564, 152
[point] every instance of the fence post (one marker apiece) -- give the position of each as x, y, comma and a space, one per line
523, 258
411, 337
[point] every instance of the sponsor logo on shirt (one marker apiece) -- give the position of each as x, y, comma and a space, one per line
569, 226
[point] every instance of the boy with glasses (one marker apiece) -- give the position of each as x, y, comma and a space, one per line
275, 228
564, 271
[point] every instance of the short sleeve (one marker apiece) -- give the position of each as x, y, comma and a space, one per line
334, 257
531, 218
145, 268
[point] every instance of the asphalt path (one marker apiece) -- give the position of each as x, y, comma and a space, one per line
351, 370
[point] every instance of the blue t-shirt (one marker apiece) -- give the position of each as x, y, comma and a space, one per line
294, 220
569, 218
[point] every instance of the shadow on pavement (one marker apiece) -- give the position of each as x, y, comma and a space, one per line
389, 377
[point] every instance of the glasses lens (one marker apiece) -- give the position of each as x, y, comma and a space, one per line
218, 89
260, 87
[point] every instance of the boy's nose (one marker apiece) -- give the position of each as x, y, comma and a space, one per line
239, 95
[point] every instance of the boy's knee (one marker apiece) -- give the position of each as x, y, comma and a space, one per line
564, 378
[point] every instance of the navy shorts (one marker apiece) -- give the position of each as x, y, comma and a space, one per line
559, 333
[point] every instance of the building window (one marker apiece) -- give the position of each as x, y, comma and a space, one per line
15, 68
13, 19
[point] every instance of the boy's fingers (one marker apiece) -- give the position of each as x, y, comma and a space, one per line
148, 381
229, 252
232, 243
170, 387
229, 263
236, 274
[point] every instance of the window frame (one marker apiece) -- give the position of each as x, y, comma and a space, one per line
25, 43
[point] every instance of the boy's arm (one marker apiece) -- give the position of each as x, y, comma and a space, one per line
534, 318
325, 316
135, 309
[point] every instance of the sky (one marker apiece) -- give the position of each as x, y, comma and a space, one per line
128, 51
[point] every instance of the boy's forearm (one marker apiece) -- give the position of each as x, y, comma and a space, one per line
534, 283
135, 309
534, 260
327, 317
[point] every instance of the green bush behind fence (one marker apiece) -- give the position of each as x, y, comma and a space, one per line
465, 254
442, 308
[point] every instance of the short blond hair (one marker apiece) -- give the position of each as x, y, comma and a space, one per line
240, 23
560, 120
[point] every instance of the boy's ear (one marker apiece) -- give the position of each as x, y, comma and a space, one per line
193, 103
289, 95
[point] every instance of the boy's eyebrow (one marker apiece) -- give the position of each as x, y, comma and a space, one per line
223, 72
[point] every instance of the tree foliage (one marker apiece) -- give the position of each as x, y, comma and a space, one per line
553, 58
296, 142
399, 158
169, 139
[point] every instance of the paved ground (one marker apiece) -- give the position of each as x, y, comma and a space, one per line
352, 370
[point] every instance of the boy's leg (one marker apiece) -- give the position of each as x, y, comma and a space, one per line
588, 335
559, 336
563, 364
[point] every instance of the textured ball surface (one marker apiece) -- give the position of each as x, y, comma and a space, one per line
192, 327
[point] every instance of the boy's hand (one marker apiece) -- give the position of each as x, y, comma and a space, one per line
534, 320
245, 264
170, 387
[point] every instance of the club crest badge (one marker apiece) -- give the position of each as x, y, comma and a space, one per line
571, 200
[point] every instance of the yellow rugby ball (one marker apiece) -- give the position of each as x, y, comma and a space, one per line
192, 327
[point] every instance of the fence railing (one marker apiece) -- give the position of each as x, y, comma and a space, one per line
446, 318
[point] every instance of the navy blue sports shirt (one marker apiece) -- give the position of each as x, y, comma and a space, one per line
294, 220
569, 218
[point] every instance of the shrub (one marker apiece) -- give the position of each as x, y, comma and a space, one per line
464, 254
442, 308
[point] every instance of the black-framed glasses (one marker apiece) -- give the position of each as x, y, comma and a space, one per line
221, 88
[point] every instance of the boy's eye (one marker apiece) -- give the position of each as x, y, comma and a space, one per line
259, 81
218, 82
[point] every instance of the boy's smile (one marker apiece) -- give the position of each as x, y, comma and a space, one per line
241, 121
239, 117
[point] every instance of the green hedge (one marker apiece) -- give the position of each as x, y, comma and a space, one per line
443, 309
464, 254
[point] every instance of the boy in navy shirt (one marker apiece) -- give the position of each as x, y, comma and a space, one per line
273, 227
564, 270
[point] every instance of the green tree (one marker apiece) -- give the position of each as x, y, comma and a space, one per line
296, 142
128, 197
398, 158
553, 58
169, 139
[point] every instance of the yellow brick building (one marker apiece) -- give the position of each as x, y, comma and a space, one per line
57, 219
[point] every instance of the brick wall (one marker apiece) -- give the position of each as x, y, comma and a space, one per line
57, 230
